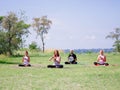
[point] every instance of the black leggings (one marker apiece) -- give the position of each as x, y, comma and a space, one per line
70, 62
55, 66
23, 65
97, 63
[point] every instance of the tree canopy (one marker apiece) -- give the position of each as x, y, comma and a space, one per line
11, 32
41, 26
116, 36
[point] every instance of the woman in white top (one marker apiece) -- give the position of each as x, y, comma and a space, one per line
25, 60
57, 59
101, 59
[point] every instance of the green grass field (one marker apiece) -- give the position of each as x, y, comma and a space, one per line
83, 76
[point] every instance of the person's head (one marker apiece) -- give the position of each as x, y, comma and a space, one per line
26, 53
101, 52
56, 53
71, 51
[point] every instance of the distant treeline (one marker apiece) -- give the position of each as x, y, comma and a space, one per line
106, 50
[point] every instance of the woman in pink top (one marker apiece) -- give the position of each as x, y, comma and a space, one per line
56, 59
101, 59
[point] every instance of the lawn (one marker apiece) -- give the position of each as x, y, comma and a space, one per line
83, 76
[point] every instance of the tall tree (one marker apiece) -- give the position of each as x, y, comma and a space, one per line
115, 35
41, 26
13, 28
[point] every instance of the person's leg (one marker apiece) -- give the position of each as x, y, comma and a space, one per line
51, 66
59, 66
67, 62
21, 65
74, 62
95, 63
29, 65
101, 63
106, 64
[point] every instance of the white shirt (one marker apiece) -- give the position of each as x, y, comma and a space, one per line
71, 58
25, 60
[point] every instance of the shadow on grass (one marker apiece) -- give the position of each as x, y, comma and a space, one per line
6, 62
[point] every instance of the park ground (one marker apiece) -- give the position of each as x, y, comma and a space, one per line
83, 76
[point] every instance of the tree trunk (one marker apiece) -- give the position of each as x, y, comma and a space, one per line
9, 38
43, 44
10, 52
9, 48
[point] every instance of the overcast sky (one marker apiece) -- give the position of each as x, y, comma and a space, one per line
76, 24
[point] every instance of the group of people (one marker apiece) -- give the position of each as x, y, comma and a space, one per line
57, 59
72, 59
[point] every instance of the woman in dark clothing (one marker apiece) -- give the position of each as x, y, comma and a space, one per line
72, 58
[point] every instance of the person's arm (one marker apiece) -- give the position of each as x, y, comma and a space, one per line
23, 59
98, 58
104, 58
28, 59
68, 57
51, 58
75, 58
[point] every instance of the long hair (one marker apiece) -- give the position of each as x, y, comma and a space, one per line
56, 53
26, 52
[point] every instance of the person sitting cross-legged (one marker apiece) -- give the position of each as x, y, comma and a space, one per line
25, 60
101, 59
56, 59
72, 58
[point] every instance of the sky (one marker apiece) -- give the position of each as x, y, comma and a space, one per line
76, 24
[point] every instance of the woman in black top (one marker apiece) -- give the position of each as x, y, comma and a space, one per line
72, 58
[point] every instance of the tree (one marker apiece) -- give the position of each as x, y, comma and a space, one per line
115, 35
41, 26
3, 43
13, 28
33, 46
1, 18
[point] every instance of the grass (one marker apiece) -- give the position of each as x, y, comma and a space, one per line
83, 76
